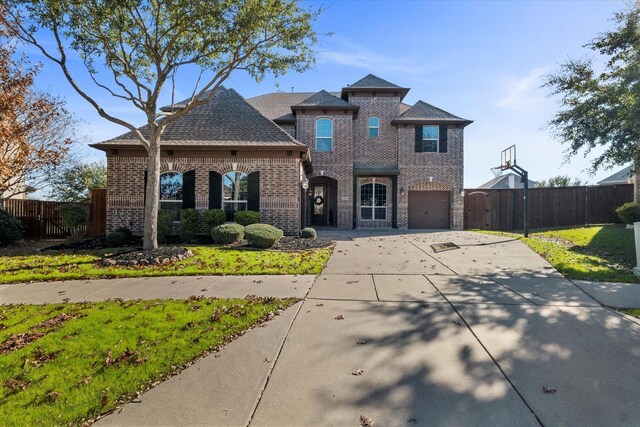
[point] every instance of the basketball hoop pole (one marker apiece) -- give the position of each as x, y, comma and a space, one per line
508, 159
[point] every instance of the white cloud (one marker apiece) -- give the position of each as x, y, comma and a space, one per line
521, 93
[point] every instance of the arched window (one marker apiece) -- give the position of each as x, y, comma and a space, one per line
171, 192
234, 193
373, 201
374, 127
324, 135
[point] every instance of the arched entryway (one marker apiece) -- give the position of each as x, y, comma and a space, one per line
322, 202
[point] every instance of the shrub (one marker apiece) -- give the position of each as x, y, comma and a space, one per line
188, 224
125, 231
213, 218
115, 239
308, 233
247, 217
227, 234
165, 223
73, 216
262, 235
11, 228
629, 212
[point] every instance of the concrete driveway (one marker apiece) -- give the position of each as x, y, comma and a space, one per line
394, 332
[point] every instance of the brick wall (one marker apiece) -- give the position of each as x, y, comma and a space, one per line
383, 149
279, 187
337, 164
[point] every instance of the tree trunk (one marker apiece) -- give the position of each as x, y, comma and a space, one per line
636, 176
150, 234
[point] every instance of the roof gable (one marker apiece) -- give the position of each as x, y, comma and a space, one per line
622, 176
324, 99
421, 112
227, 120
373, 82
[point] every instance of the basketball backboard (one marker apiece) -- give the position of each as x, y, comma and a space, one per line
508, 158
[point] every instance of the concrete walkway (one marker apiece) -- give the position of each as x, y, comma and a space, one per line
402, 335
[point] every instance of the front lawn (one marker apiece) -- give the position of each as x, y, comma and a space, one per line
604, 253
207, 260
63, 364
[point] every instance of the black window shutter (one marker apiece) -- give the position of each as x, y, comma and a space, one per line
215, 190
443, 138
418, 138
253, 191
189, 190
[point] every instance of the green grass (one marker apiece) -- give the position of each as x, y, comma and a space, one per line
207, 260
108, 352
604, 253
635, 312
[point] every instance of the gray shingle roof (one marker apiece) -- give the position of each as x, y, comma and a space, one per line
620, 177
371, 81
277, 106
509, 180
422, 110
228, 120
324, 99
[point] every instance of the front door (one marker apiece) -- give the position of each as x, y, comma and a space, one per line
317, 204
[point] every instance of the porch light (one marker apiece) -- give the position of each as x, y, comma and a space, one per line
402, 191
461, 192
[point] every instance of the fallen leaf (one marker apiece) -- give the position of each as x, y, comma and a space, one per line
457, 323
361, 342
366, 421
548, 389
358, 372
339, 317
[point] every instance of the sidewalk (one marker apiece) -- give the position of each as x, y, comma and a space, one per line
178, 287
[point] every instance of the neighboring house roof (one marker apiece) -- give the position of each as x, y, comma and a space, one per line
623, 176
227, 120
509, 180
421, 112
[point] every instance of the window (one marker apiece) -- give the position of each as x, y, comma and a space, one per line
324, 135
234, 193
171, 192
373, 201
430, 136
374, 127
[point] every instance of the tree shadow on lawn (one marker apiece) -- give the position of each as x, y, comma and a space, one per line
423, 364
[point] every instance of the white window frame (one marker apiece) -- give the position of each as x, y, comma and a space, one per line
238, 203
331, 138
161, 201
374, 127
374, 206
425, 140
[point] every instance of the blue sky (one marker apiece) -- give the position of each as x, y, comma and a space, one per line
480, 60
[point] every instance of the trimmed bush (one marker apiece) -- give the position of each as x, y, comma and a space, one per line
227, 234
115, 239
125, 231
11, 228
247, 217
188, 224
213, 218
262, 235
308, 233
165, 223
629, 212
73, 215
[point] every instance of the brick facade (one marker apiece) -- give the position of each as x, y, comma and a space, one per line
279, 186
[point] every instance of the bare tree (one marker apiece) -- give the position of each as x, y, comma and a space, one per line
143, 44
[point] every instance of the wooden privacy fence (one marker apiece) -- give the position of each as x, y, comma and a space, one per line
548, 207
42, 220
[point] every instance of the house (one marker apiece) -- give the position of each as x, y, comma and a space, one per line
358, 158
623, 176
509, 180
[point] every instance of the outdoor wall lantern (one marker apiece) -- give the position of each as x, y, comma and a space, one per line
402, 191
461, 192
114, 151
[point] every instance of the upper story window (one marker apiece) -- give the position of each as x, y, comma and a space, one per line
324, 135
374, 127
171, 192
430, 138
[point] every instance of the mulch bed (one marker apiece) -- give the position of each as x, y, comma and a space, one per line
164, 255
290, 243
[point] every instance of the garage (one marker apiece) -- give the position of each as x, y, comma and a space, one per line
429, 209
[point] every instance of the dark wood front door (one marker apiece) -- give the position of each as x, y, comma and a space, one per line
317, 204
429, 209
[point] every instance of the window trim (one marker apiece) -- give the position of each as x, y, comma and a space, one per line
331, 138
374, 206
377, 127
235, 202
425, 140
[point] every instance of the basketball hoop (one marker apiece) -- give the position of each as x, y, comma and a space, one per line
508, 161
